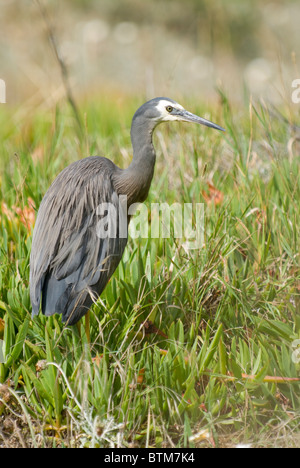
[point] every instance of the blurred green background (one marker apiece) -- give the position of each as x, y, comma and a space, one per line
151, 47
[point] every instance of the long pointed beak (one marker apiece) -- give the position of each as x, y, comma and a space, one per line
186, 116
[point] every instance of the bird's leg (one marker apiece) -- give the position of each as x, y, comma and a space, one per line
87, 327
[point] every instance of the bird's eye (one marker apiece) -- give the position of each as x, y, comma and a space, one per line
169, 108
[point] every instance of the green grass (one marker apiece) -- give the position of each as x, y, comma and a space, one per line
226, 310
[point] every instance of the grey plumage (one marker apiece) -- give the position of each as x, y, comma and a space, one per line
70, 264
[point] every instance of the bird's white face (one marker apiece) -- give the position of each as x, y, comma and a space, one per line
165, 109
169, 110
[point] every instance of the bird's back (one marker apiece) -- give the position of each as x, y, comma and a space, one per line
70, 262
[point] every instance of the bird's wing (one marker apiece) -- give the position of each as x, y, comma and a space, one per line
76, 244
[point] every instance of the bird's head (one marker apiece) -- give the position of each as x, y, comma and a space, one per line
163, 109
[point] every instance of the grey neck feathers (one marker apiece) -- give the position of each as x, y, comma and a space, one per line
135, 181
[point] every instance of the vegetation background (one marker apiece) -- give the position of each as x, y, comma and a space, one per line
188, 348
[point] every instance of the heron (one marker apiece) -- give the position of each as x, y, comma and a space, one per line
70, 263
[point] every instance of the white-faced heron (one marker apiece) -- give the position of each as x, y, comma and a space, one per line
70, 262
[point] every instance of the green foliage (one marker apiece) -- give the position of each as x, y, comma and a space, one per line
225, 315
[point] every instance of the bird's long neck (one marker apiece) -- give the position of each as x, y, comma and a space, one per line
135, 181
